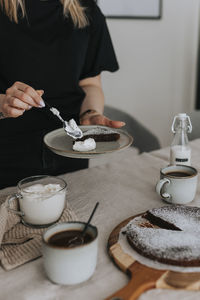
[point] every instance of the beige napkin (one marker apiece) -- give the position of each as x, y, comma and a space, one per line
18, 243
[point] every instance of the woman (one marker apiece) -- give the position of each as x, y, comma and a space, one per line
53, 50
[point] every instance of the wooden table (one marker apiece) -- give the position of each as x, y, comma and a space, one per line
124, 187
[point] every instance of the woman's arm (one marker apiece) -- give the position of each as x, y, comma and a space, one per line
94, 99
91, 112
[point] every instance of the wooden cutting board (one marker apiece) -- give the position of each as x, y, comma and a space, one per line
143, 278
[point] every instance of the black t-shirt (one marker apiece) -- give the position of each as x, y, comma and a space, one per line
45, 51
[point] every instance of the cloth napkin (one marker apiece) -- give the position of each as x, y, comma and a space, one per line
20, 244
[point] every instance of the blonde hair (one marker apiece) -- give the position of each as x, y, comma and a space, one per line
71, 8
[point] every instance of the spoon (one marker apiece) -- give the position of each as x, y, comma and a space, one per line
79, 240
70, 127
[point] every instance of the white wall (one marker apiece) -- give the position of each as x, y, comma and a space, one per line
158, 61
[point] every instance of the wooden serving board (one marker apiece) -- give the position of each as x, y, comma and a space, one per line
143, 278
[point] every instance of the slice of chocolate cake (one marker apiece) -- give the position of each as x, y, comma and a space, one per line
100, 134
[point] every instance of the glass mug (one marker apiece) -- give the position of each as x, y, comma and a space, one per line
41, 200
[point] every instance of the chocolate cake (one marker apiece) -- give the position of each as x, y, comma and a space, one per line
100, 134
170, 235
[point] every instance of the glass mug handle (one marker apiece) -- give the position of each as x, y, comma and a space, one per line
10, 200
159, 188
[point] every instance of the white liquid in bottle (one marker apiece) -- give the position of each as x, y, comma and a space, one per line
180, 155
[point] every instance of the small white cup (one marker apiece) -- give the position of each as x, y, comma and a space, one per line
177, 188
70, 265
39, 209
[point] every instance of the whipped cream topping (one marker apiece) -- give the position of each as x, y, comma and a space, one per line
87, 145
40, 189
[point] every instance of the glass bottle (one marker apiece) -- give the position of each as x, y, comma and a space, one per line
180, 151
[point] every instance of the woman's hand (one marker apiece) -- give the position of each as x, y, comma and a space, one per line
19, 98
98, 119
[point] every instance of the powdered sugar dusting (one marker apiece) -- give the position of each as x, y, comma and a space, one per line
98, 130
164, 244
183, 217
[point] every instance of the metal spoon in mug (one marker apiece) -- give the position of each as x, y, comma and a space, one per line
70, 127
79, 240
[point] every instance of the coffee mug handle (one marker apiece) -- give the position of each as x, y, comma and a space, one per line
10, 200
159, 188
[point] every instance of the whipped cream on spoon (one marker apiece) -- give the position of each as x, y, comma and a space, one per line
71, 128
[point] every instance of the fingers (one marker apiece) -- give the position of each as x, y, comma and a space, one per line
28, 90
16, 103
10, 111
40, 92
115, 124
13, 112
93, 120
26, 94
19, 98
102, 120
86, 122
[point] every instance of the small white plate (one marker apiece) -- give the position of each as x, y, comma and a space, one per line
60, 143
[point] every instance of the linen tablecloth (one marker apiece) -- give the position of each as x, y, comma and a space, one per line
124, 187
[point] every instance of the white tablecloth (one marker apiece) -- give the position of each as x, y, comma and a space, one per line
124, 187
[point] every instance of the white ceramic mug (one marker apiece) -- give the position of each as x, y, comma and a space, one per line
70, 265
41, 200
178, 184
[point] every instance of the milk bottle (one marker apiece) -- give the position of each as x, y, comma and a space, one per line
180, 151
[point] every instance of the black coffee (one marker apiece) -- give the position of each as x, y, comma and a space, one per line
69, 239
178, 174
